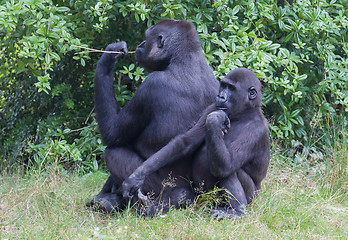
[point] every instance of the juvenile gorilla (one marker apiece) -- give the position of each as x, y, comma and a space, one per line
167, 103
230, 145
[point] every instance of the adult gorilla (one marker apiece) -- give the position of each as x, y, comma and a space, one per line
167, 103
230, 144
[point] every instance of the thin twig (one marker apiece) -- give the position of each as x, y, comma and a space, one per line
96, 50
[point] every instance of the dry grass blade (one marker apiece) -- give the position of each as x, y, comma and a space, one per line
96, 50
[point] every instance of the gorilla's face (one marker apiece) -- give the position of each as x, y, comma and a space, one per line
239, 91
228, 95
154, 54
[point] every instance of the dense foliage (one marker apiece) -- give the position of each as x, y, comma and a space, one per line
297, 48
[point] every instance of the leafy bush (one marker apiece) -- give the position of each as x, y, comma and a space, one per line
82, 154
298, 49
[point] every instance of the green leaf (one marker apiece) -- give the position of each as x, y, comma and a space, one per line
63, 9
18, 6
29, 21
295, 113
300, 132
300, 120
289, 37
280, 101
55, 56
67, 130
281, 24
48, 58
273, 46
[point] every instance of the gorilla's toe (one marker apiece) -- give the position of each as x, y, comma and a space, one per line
220, 214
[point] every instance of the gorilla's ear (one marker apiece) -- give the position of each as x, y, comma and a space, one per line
252, 93
160, 41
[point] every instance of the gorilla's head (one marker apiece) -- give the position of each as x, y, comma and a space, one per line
239, 91
167, 42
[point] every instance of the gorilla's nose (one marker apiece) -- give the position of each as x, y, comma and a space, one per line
221, 97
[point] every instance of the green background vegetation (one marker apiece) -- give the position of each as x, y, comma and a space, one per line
298, 49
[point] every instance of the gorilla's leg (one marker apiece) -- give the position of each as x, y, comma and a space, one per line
248, 185
235, 196
121, 162
169, 198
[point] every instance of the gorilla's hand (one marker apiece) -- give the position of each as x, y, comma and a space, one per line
108, 60
218, 120
120, 47
131, 186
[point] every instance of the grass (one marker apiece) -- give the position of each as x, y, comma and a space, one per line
306, 201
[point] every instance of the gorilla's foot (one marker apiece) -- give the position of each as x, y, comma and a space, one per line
107, 202
150, 208
228, 213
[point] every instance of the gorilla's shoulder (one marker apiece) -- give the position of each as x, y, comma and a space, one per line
154, 81
158, 75
157, 78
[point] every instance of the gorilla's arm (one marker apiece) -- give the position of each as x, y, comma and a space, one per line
115, 126
225, 160
180, 146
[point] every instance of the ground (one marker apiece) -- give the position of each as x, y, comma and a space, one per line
298, 201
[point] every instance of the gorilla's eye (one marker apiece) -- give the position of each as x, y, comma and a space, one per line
160, 42
252, 93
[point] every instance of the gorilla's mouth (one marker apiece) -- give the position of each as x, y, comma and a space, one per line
223, 108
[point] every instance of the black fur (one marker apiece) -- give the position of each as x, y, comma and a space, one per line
167, 103
229, 144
